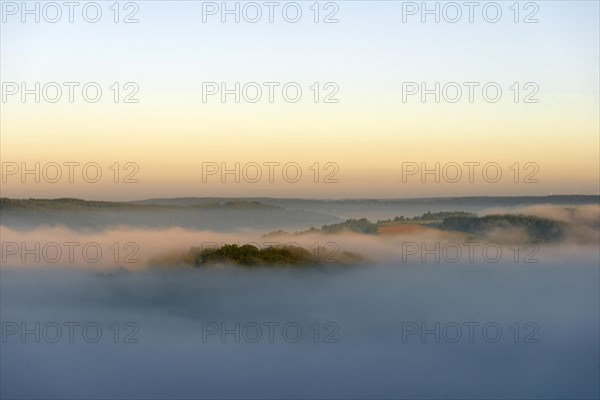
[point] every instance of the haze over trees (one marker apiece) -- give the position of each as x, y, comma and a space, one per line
429, 216
229, 215
538, 229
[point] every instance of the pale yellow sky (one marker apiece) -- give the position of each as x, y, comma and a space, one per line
369, 133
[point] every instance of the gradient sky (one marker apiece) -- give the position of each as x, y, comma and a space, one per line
369, 133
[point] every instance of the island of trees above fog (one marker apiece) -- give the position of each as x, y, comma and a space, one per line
251, 256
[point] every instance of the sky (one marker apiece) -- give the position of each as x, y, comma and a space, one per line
368, 133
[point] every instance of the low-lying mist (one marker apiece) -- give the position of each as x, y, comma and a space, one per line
411, 330
426, 314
